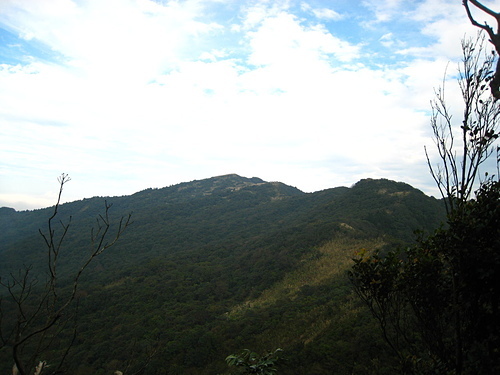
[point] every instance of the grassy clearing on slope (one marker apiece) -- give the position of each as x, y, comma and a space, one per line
331, 260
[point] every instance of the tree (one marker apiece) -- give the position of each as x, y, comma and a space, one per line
42, 313
252, 363
494, 39
438, 301
463, 149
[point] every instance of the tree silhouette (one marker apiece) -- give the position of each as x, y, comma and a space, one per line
438, 302
494, 39
43, 312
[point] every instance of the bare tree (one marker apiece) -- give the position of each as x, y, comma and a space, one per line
494, 39
464, 147
42, 313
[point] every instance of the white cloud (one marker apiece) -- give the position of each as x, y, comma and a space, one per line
322, 13
384, 10
327, 14
111, 40
389, 40
282, 40
445, 23
150, 94
256, 12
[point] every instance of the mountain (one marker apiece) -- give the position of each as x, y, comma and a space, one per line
214, 266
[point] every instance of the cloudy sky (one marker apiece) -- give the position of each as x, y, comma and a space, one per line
124, 95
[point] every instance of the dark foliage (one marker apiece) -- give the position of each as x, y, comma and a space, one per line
439, 300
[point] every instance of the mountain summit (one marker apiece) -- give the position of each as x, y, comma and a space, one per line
210, 267
219, 186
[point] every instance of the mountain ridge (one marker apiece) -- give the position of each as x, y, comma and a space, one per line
213, 266
209, 186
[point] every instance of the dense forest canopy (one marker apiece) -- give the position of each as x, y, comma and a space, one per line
215, 266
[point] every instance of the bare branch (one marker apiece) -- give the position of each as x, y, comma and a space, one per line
456, 175
494, 39
36, 319
484, 26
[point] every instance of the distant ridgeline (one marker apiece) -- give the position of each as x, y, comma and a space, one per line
214, 266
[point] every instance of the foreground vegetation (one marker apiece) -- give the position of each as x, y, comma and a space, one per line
437, 302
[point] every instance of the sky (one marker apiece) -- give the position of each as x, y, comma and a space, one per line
125, 95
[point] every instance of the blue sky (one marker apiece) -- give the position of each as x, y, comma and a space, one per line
124, 95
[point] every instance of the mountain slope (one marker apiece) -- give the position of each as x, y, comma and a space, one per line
214, 266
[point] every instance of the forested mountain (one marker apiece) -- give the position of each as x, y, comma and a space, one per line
211, 267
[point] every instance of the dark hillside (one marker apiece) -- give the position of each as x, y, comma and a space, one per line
214, 266
393, 208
